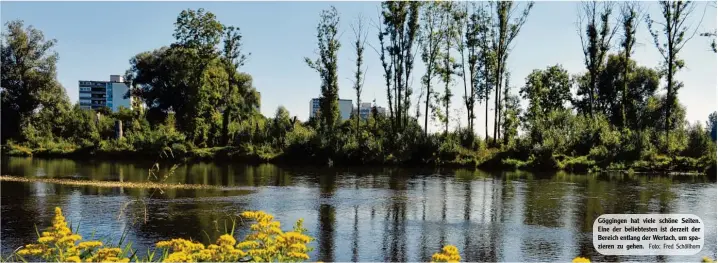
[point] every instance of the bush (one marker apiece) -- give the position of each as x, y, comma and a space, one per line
577, 164
14, 149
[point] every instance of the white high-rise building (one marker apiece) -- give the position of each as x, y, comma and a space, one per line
365, 110
98, 94
345, 108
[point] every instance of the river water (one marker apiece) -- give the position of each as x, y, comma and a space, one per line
355, 214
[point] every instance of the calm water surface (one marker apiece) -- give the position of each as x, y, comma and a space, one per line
357, 214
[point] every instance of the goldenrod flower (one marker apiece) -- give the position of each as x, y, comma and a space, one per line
178, 257
226, 240
89, 244
581, 260
73, 259
448, 253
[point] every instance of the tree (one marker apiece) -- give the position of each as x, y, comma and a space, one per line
673, 30
194, 80
28, 78
197, 35
281, 124
595, 45
512, 105
233, 59
466, 44
486, 65
360, 36
713, 41
546, 90
326, 65
630, 14
401, 27
711, 125
448, 66
711, 35
430, 39
618, 94
503, 33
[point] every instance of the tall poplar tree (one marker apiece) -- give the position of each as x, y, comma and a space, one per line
328, 49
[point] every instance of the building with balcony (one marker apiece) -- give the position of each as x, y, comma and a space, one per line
98, 94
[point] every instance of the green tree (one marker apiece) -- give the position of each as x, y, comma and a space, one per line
430, 40
486, 58
326, 65
546, 90
674, 32
233, 59
360, 36
281, 124
630, 18
197, 35
711, 35
711, 125
511, 113
398, 36
28, 80
448, 66
595, 46
466, 44
504, 30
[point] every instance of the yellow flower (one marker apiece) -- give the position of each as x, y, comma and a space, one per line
581, 260
45, 240
178, 257
708, 260
448, 253
298, 246
298, 255
73, 259
89, 244
248, 244
226, 240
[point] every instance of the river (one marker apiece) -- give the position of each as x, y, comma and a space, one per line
355, 214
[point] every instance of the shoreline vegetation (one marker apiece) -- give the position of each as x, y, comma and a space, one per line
118, 184
189, 98
492, 161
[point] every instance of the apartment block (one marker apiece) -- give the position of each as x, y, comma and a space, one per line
98, 94
345, 108
365, 110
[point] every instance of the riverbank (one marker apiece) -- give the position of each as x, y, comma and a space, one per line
117, 184
486, 159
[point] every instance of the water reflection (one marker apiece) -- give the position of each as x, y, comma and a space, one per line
367, 214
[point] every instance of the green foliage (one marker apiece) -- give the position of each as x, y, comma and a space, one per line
398, 33
28, 81
546, 90
712, 126
200, 106
326, 66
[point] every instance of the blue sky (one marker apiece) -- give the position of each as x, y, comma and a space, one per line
97, 39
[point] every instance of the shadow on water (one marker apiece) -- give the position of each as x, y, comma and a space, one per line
357, 213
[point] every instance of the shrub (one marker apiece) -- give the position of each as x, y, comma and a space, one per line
577, 164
